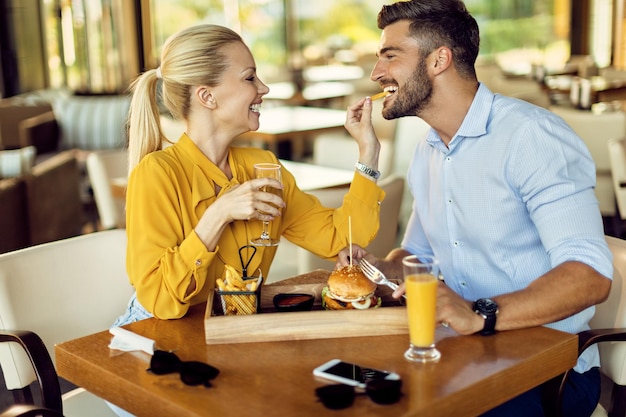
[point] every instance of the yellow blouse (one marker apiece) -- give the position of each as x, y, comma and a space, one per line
169, 190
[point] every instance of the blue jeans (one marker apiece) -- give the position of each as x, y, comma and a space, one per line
134, 312
582, 393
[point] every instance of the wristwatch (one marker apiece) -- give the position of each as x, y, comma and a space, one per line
488, 309
370, 172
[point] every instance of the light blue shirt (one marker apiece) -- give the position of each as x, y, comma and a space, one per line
511, 198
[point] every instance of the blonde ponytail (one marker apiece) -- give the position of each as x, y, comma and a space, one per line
191, 57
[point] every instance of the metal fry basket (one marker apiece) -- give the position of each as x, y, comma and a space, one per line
239, 303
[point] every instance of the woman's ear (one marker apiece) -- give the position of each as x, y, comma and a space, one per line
205, 97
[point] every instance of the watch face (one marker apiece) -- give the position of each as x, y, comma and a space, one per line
486, 306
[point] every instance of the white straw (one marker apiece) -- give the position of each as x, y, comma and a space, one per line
350, 237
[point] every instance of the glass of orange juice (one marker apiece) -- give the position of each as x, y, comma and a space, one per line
420, 281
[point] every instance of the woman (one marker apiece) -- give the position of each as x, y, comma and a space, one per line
192, 206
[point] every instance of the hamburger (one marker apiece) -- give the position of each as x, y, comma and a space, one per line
347, 288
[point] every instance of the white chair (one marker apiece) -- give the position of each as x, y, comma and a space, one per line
409, 131
102, 167
617, 156
393, 186
612, 315
608, 329
596, 130
341, 151
62, 290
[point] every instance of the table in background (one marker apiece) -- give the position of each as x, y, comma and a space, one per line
322, 94
475, 373
309, 177
294, 124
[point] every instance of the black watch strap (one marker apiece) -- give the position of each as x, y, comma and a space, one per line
488, 309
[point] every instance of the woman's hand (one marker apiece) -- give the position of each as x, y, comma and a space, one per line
359, 125
358, 253
248, 201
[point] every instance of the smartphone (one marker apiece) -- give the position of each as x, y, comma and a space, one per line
350, 373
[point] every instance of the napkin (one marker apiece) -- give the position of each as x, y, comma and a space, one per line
128, 341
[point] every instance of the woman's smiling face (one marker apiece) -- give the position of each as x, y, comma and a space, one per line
239, 94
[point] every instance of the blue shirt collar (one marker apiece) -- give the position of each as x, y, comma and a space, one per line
474, 124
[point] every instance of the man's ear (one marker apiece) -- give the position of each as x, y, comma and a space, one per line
443, 59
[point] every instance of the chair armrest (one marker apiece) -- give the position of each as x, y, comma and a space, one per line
586, 339
41, 131
55, 209
27, 410
47, 377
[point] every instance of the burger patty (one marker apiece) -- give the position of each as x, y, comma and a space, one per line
331, 303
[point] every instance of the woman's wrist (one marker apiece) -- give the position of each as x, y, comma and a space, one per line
367, 171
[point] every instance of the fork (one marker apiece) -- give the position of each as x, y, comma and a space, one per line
376, 276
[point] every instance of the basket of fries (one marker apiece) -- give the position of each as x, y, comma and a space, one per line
236, 295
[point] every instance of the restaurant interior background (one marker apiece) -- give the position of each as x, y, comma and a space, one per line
97, 47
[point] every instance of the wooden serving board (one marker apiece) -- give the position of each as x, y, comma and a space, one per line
269, 325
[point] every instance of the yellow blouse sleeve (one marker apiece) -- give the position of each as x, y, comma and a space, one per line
325, 231
164, 251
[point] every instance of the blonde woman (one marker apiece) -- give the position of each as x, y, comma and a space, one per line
193, 205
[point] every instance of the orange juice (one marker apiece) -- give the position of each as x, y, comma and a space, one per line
421, 301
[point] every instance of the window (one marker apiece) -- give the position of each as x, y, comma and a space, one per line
101, 45
519, 33
259, 22
91, 44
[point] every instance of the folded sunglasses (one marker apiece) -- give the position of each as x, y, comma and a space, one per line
191, 372
381, 391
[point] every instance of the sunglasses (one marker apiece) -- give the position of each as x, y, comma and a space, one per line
381, 391
191, 372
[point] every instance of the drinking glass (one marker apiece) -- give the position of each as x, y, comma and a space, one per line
267, 170
420, 280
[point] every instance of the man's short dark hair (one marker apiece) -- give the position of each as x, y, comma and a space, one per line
436, 23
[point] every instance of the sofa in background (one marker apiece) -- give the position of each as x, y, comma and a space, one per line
49, 202
43, 205
56, 120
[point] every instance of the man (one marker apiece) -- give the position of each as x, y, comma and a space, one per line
503, 194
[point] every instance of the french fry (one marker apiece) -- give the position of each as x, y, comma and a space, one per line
380, 95
232, 276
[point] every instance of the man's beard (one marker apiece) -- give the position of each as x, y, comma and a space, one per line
411, 99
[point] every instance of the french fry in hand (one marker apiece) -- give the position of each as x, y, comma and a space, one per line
379, 95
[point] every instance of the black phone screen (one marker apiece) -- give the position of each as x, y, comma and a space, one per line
355, 372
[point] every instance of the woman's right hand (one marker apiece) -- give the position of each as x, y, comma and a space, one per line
242, 202
248, 201
359, 125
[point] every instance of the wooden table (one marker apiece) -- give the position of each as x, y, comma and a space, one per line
294, 124
275, 378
